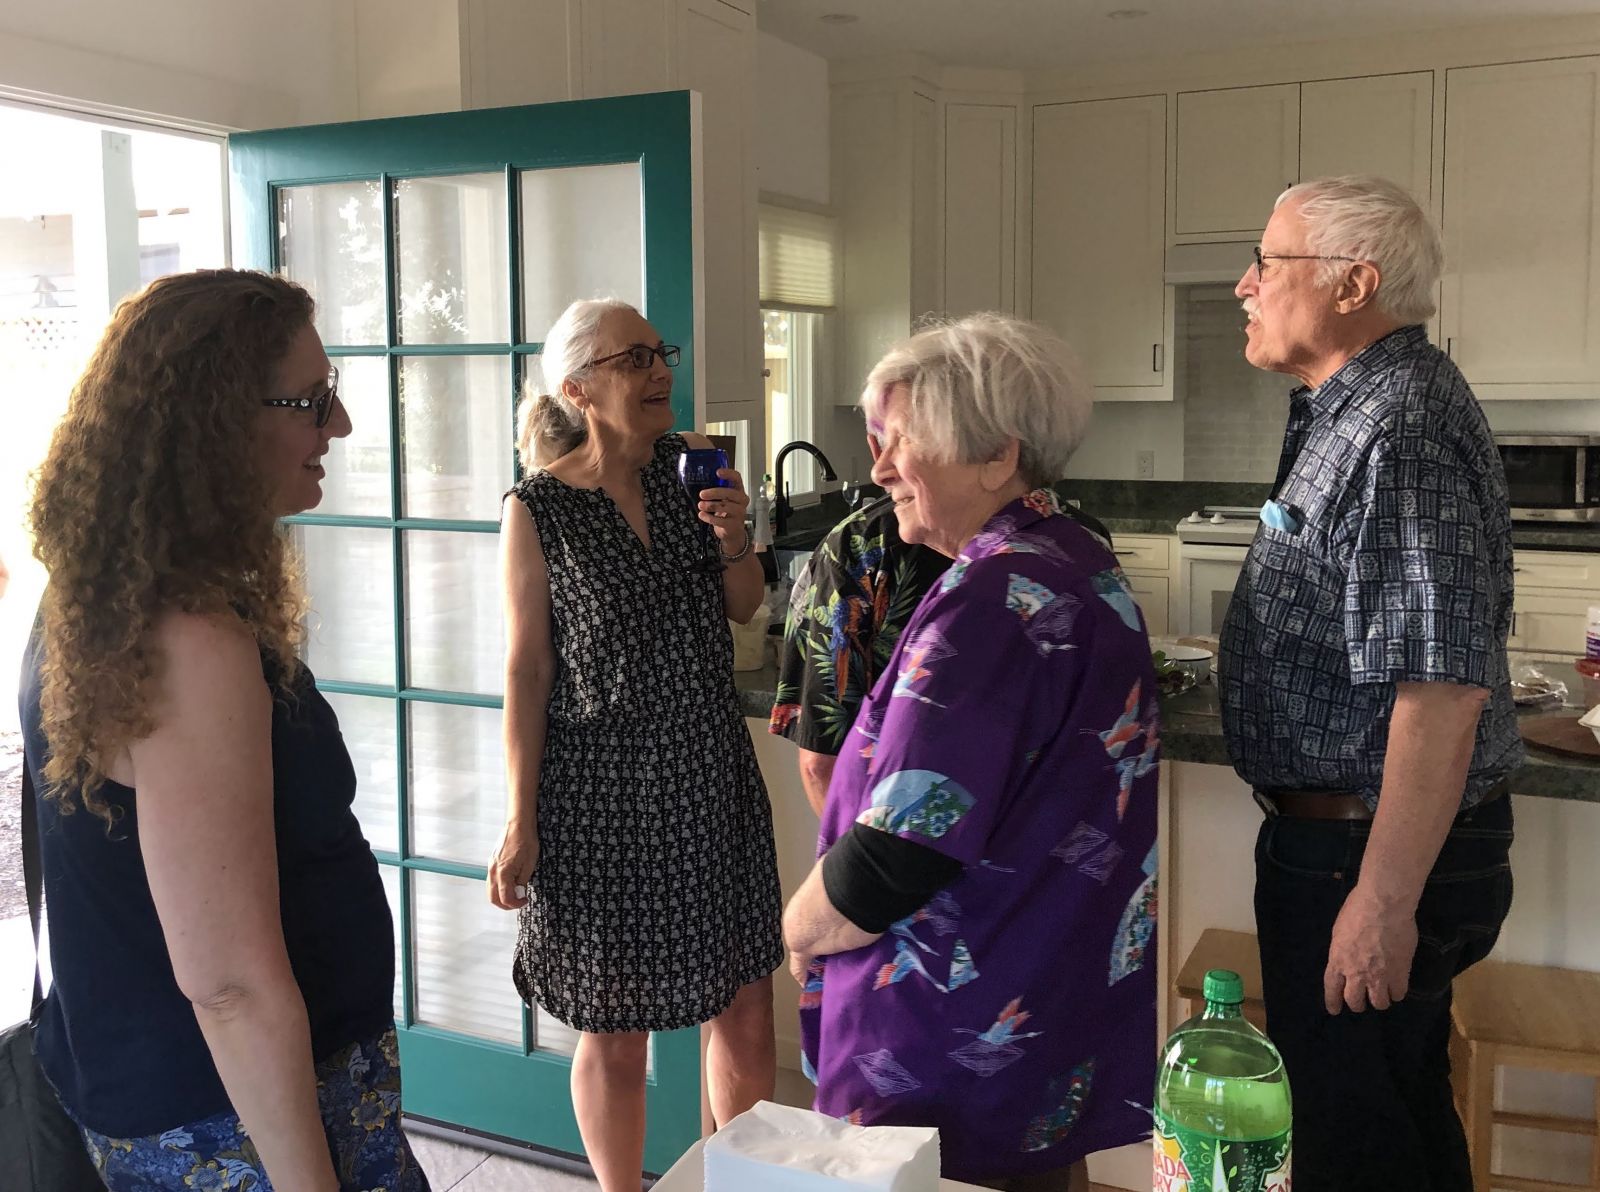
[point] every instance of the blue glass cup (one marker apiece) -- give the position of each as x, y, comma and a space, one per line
697, 470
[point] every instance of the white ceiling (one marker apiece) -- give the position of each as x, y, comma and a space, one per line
1048, 34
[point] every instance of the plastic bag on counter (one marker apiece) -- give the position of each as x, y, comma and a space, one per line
1531, 687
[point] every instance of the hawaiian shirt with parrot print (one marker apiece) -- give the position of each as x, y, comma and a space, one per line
858, 590
1015, 728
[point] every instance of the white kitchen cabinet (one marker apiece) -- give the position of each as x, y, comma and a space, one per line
1098, 240
1550, 622
1379, 124
927, 232
1554, 590
1520, 307
980, 180
1237, 149
1147, 562
716, 56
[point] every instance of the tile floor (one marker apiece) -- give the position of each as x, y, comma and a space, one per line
459, 1167
453, 1167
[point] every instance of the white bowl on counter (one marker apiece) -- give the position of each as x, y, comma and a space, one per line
1591, 721
1191, 658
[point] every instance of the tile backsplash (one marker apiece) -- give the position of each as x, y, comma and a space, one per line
1233, 413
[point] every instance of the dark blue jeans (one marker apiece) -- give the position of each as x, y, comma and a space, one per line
1372, 1103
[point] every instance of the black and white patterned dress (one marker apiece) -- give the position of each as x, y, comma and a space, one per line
656, 895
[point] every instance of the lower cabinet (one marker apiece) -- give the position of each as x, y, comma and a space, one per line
1147, 561
1554, 593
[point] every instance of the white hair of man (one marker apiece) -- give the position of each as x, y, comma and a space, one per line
548, 423
1372, 219
978, 381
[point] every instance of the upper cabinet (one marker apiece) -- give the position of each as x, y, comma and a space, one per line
1380, 124
716, 56
1237, 149
1099, 192
1520, 307
980, 173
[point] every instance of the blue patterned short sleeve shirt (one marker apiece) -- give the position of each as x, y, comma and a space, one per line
1397, 568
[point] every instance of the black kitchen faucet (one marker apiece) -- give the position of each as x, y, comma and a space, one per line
781, 512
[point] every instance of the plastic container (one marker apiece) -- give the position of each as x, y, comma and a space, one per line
1591, 635
750, 641
1222, 1107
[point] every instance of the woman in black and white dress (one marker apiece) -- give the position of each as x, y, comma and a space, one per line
638, 841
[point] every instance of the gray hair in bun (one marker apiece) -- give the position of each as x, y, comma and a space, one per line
548, 424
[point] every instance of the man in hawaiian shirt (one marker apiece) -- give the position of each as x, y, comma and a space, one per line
855, 595
1365, 688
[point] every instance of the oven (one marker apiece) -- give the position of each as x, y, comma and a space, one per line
1552, 477
1212, 544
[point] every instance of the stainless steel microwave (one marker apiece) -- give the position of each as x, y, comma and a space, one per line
1552, 477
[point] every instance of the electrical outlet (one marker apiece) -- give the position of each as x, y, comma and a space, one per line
1145, 465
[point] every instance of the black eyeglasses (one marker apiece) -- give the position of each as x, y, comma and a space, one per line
641, 356
1263, 257
322, 403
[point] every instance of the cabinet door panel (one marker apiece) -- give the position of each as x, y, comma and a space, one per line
1382, 124
717, 56
1152, 593
1237, 150
1521, 218
1550, 622
980, 155
1099, 187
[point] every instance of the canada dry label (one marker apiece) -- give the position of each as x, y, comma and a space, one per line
1189, 1161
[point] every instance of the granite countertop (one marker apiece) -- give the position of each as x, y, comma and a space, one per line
1191, 731
1155, 506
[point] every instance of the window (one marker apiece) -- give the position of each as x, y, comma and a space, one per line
90, 210
797, 266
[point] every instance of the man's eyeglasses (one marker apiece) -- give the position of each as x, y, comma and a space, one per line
1263, 257
322, 402
641, 356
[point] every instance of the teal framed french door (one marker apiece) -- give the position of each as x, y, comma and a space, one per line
440, 249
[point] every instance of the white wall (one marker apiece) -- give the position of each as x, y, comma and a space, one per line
791, 145
227, 63
1120, 431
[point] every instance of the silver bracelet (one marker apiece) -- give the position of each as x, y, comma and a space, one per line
749, 543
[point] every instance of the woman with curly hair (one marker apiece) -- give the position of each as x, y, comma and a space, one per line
223, 952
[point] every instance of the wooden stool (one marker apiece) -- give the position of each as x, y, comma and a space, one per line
1219, 949
1523, 1016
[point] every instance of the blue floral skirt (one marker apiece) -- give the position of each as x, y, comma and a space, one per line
358, 1091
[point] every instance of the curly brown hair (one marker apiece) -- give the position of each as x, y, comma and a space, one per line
151, 499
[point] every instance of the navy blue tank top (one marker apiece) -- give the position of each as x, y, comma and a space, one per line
117, 1039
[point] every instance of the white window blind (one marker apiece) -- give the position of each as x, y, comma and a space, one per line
796, 259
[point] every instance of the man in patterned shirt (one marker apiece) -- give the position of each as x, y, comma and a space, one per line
1365, 689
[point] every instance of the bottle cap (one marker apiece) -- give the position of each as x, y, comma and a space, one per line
1224, 986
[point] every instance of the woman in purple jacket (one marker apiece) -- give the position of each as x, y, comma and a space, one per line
975, 942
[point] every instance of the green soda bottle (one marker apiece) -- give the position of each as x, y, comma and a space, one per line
1222, 1102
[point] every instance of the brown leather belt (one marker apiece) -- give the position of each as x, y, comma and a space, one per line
1337, 805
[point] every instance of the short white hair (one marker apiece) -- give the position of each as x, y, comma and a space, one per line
548, 424
976, 382
1372, 219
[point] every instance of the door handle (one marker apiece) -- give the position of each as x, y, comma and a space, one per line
1155, 357
1449, 345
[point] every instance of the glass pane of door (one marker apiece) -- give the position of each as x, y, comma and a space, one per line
451, 259
439, 249
330, 240
455, 436
558, 266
